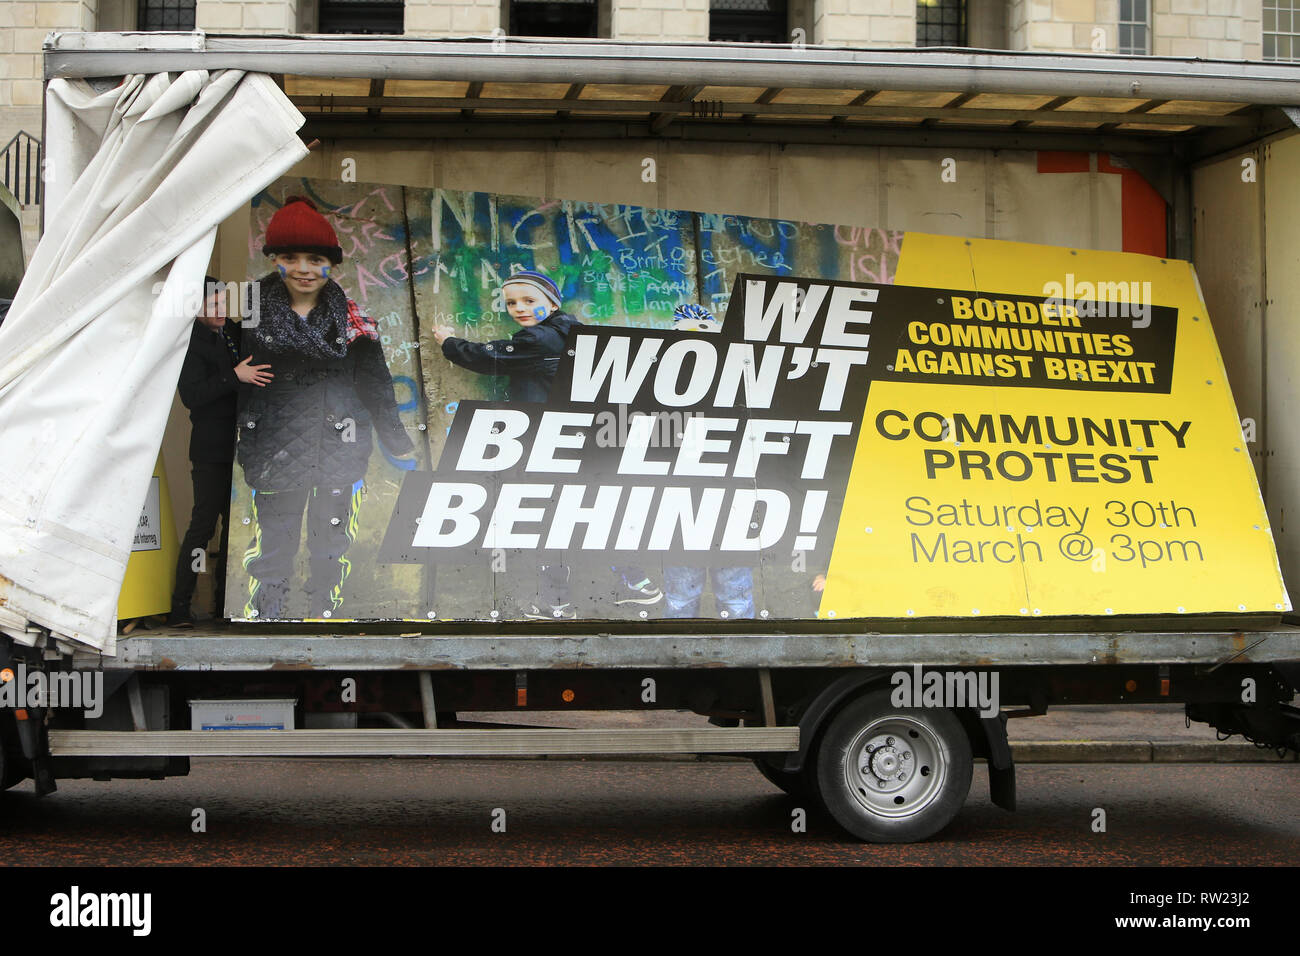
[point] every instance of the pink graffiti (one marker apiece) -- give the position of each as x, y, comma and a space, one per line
873, 253
356, 242
366, 279
394, 267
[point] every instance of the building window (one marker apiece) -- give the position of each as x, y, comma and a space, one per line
941, 23
1282, 30
552, 18
1134, 31
360, 16
749, 21
165, 15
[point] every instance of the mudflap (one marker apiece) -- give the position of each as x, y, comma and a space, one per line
39, 753
29, 728
1002, 769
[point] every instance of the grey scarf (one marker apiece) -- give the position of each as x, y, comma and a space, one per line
323, 334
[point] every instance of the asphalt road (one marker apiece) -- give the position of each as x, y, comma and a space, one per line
392, 812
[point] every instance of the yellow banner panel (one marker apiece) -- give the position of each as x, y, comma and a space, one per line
1122, 486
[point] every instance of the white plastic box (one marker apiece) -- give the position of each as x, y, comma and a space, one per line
241, 714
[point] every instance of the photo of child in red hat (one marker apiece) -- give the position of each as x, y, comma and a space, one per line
305, 438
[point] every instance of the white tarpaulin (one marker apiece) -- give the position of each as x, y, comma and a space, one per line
138, 179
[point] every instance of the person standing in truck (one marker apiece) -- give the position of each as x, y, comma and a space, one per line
305, 439
209, 386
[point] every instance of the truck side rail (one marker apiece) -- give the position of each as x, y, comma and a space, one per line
222, 651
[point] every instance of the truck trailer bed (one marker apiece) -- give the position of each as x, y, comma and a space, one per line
223, 649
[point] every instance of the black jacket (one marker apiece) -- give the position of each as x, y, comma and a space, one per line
312, 425
209, 389
530, 357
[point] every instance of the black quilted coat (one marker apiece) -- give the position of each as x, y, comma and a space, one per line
312, 425
531, 357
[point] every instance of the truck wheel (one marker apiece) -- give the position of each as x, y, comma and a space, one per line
893, 775
793, 783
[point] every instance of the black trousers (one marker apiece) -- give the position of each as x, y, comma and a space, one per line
211, 501
269, 560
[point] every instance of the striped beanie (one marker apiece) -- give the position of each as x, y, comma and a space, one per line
543, 284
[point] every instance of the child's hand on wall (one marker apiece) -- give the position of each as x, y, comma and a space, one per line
819, 583
259, 375
442, 333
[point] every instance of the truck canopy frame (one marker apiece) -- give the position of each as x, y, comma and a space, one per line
1161, 114
510, 87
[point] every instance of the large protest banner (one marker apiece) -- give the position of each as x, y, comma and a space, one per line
861, 424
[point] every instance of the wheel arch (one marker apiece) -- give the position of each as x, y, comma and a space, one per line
988, 735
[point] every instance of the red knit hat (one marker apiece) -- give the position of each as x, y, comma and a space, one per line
298, 227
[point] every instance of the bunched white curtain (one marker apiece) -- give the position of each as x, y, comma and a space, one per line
138, 178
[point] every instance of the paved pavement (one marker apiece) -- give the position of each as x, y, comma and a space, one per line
1144, 733
1151, 733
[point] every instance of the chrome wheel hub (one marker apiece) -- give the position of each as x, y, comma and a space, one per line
896, 766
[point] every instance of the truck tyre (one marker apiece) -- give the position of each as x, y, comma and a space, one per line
893, 775
792, 782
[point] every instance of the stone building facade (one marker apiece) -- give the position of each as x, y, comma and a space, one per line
1216, 29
